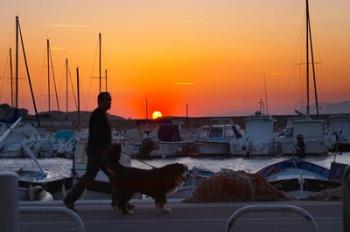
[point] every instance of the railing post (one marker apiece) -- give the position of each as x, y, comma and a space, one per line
9, 216
346, 200
270, 208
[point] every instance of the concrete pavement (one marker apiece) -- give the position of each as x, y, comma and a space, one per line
207, 217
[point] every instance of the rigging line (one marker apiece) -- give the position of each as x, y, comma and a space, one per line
3, 76
72, 85
88, 95
43, 69
54, 79
5, 67
92, 72
292, 83
301, 88
61, 81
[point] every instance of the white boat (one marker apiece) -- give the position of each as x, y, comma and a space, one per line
171, 141
218, 140
305, 137
259, 137
164, 141
339, 132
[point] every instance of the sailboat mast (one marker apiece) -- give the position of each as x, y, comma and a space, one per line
313, 68
17, 28
28, 75
186, 110
307, 61
66, 85
100, 61
106, 80
48, 74
11, 77
78, 93
146, 109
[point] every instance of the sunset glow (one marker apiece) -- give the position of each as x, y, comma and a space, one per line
156, 114
211, 55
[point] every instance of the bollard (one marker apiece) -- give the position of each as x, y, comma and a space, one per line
9, 216
346, 200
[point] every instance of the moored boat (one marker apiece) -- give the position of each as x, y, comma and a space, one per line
299, 178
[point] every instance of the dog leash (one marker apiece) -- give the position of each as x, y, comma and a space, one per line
141, 161
145, 163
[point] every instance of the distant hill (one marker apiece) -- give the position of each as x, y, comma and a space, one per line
334, 108
325, 108
84, 115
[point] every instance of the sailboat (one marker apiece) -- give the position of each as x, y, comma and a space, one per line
304, 135
297, 177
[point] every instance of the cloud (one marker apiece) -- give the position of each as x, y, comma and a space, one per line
65, 25
184, 83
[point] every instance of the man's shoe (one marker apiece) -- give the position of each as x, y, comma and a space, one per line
69, 205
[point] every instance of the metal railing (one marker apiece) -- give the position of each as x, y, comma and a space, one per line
346, 200
9, 202
9, 210
79, 225
263, 208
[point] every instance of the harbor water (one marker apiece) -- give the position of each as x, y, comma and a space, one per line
57, 168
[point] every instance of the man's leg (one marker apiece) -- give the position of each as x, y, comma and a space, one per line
110, 173
92, 169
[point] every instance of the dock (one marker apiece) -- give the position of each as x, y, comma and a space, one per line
97, 215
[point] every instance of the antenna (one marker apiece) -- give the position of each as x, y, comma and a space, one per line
266, 105
146, 109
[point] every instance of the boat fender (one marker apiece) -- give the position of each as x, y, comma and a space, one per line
300, 146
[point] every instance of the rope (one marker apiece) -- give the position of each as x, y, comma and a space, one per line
125, 154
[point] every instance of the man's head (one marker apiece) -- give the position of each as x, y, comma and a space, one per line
104, 100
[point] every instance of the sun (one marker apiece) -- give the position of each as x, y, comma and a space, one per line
156, 114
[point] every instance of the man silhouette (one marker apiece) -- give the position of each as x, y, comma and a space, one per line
99, 142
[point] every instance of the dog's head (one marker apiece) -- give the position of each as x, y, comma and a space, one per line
180, 172
114, 154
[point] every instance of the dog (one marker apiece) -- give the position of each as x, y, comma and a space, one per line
157, 183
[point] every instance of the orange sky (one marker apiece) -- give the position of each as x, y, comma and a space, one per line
209, 54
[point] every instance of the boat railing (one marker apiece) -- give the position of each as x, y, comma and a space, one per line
346, 200
264, 208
